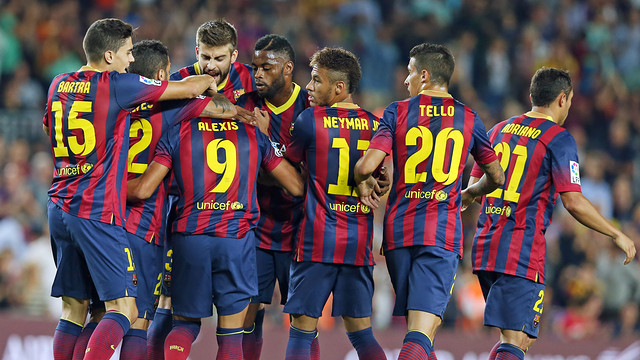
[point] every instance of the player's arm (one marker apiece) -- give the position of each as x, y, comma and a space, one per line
45, 128
187, 88
289, 178
368, 187
582, 210
492, 179
142, 187
219, 107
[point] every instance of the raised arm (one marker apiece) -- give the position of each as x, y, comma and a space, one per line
289, 178
582, 210
187, 88
219, 107
492, 179
142, 187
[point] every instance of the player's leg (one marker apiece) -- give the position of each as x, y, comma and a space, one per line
149, 276
424, 305
309, 288
252, 337
352, 299
71, 282
112, 270
191, 289
162, 320
514, 305
236, 282
97, 311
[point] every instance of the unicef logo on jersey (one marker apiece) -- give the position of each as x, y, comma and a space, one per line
73, 170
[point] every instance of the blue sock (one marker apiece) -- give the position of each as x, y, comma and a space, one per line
229, 343
134, 345
252, 338
64, 339
299, 345
366, 345
508, 351
421, 339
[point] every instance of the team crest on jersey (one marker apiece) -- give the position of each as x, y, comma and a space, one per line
536, 320
238, 93
575, 172
148, 81
291, 128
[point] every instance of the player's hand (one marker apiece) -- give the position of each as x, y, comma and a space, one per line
383, 182
366, 193
262, 119
467, 200
213, 87
625, 244
245, 116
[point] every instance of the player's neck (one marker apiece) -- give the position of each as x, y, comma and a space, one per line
545, 111
283, 96
342, 99
434, 87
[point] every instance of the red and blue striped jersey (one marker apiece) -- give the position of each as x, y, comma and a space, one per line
215, 166
280, 213
88, 127
148, 123
540, 160
239, 81
336, 227
430, 136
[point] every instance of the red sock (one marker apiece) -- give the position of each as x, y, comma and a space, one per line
229, 344
412, 351
83, 340
366, 345
315, 348
134, 345
252, 338
177, 345
107, 336
64, 339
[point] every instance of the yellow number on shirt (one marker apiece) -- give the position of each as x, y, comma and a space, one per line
226, 168
511, 193
411, 176
74, 122
537, 306
131, 267
342, 185
144, 126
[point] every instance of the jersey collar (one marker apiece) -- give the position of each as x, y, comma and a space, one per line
535, 114
436, 93
279, 109
88, 68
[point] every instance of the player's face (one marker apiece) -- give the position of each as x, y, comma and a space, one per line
566, 108
122, 58
413, 82
321, 88
216, 60
268, 72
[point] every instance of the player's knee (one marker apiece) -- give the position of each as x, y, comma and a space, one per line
517, 338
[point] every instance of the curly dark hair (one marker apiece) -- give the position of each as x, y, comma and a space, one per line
343, 65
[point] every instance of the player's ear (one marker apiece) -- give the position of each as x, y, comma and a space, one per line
108, 56
197, 52
561, 99
161, 75
234, 55
340, 86
288, 68
425, 77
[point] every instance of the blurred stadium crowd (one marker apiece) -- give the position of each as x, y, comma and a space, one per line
498, 45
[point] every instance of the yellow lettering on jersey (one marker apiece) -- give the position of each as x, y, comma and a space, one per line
335, 122
74, 87
432, 110
221, 126
521, 130
364, 124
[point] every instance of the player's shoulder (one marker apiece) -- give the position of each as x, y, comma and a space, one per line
184, 72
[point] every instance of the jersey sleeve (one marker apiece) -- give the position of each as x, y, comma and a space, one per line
476, 171
565, 168
481, 150
132, 90
383, 139
175, 111
271, 158
302, 131
164, 149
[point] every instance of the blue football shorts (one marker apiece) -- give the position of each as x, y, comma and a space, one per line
272, 265
148, 265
